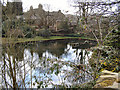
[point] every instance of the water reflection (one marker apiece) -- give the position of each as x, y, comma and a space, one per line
46, 64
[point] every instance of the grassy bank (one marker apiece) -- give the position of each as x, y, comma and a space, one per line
38, 38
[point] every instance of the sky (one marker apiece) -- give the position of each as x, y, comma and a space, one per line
55, 5
66, 6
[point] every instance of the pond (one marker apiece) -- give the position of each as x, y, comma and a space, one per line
47, 64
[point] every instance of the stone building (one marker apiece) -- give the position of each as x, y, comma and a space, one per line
42, 17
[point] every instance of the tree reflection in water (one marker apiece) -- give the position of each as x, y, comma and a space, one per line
45, 64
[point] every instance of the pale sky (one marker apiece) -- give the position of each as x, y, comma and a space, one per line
55, 5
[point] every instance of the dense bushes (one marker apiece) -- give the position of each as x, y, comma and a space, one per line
64, 27
44, 33
108, 59
28, 31
109, 54
113, 41
17, 29
6, 25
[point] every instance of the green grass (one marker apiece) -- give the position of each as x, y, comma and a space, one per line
37, 38
18, 40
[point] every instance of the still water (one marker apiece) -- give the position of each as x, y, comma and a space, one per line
47, 64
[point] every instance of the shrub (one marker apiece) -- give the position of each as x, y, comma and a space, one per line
108, 59
16, 28
44, 33
64, 26
3, 33
28, 31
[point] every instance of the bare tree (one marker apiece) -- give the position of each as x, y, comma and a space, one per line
99, 19
93, 14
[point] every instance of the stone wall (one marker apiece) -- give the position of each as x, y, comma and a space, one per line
108, 79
